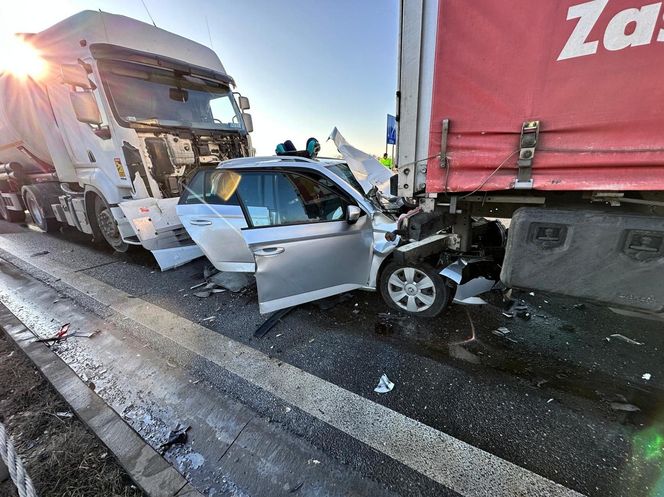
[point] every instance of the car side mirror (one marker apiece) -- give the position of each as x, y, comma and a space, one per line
353, 214
248, 122
85, 107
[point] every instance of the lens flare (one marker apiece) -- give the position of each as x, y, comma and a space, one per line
19, 58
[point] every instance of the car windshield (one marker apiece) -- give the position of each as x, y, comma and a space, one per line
148, 95
343, 171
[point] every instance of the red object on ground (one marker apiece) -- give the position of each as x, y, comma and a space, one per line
591, 72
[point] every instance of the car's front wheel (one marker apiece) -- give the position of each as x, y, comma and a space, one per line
417, 289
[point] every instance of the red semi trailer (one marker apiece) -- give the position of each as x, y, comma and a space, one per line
548, 112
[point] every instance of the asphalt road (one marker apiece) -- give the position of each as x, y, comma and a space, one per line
557, 395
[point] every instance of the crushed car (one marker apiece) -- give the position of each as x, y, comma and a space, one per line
313, 228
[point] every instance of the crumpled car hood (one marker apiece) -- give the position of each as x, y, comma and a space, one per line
366, 169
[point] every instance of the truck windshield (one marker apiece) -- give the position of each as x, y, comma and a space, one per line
147, 95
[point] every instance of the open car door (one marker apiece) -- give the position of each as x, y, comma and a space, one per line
309, 241
210, 211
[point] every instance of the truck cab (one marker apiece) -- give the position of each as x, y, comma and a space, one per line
125, 114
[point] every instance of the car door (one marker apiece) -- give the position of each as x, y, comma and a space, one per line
211, 213
303, 245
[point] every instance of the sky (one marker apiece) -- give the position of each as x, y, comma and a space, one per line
306, 65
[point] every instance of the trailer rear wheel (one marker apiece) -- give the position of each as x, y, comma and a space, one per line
107, 226
48, 224
416, 289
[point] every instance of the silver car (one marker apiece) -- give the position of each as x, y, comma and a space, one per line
308, 230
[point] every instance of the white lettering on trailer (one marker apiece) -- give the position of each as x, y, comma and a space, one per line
645, 20
588, 13
642, 21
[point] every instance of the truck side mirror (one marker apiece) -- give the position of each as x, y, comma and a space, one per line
85, 107
76, 75
353, 214
248, 122
244, 103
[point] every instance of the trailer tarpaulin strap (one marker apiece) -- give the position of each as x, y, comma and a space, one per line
590, 71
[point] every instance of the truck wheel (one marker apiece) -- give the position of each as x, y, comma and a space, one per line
417, 289
107, 226
44, 223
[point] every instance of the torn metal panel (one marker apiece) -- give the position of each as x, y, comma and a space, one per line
158, 228
468, 292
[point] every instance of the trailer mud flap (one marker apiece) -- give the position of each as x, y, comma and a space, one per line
616, 259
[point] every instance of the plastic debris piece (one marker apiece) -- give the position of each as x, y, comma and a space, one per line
384, 385
549, 401
64, 414
625, 339
234, 282
532, 294
198, 285
209, 318
296, 487
501, 332
621, 406
176, 436
646, 376
203, 295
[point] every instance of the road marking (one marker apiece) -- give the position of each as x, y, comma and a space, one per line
453, 463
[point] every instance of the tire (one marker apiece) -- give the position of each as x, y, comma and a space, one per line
416, 289
47, 224
106, 226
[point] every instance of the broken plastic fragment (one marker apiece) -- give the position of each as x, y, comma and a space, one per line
384, 385
646, 376
625, 339
621, 406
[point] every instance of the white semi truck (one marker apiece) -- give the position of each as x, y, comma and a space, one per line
104, 119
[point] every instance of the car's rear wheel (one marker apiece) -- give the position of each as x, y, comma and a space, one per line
416, 289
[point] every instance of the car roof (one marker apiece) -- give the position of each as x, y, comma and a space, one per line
278, 161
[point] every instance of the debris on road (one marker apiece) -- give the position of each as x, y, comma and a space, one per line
176, 436
63, 334
519, 309
501, 332
271, 322
386, 324
233, 282
329, 303
43, 252
621, 406
624, 339
646, 376
384, 385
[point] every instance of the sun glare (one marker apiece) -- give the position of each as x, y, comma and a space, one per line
19, 58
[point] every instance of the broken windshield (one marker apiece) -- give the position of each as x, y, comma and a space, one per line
147, 95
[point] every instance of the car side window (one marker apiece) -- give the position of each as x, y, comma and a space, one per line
215, 187
278, 198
